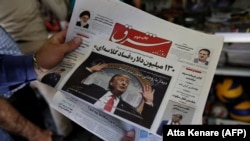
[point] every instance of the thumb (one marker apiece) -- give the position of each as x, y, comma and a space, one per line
72, 44
130, 136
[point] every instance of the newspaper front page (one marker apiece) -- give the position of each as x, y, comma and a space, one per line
149, 64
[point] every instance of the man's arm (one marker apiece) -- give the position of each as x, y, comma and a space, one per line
20, 69
12, 121
95, 68
146, 108
148, 98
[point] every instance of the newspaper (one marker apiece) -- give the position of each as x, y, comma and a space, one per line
158, 58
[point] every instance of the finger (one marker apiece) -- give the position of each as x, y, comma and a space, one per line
59, 37
48, 132
144, 88
72, 44
148, 87
130, 136
104, 65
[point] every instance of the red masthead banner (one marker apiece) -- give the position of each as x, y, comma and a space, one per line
127, 36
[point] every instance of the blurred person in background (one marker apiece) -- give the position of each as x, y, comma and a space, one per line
24, 21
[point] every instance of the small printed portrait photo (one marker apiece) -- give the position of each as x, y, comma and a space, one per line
53, 78
203, 57
175, 114
84, 18
174, 120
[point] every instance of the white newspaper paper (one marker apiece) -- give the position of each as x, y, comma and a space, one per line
158, 56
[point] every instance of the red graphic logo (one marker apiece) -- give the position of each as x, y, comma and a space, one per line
129, 37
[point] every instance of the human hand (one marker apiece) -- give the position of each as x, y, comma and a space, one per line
130, 136
41, 135
98, 67
148, 94
54, 50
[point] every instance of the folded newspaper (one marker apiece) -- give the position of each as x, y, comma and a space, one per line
147, 67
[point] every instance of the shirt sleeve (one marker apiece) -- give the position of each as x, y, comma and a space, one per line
15, 70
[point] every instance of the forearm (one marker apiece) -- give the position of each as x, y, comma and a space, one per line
140, 107
11, 120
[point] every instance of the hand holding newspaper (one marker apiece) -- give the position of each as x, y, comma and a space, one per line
153, 71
